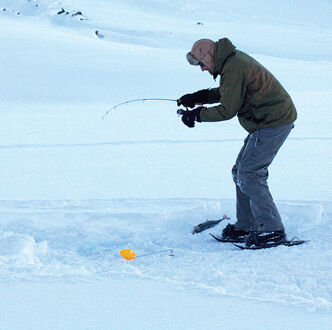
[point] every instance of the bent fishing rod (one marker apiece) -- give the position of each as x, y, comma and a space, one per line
136, 100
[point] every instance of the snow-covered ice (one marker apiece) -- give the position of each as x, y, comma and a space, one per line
71, 250
76, 189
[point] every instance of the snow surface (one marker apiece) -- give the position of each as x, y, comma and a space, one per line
76, 189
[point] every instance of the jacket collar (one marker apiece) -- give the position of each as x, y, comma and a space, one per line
223, 50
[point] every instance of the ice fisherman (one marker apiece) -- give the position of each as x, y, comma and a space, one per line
264, 109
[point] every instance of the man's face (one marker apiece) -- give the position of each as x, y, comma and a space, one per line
206, 63
204, 68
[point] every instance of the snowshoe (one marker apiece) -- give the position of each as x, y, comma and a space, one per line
284, 241
228, 240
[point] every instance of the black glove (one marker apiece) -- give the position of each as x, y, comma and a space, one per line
189, 100
190, 116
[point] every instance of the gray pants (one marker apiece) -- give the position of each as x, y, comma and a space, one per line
255, 209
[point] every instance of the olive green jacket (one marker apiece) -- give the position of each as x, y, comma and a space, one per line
247, 90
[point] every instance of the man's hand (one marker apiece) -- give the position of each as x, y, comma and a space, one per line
190, 100
190, 116
187, 101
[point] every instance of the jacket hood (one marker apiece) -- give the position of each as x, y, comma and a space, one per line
223, 50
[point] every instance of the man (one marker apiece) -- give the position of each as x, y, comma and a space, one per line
263, 107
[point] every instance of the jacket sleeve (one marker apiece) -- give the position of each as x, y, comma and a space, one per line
232, 91
207, 96
213, 95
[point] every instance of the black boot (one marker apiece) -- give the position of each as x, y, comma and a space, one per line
231, 232
264, 238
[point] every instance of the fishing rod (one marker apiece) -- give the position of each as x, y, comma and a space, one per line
136, 100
